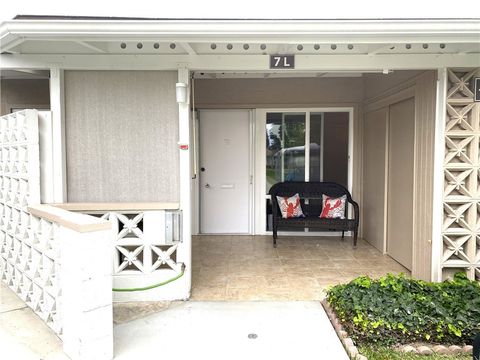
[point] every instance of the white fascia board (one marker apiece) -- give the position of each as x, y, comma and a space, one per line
303, 63
278, 31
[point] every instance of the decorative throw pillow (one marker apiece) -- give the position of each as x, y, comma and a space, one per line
333, 208
290, 206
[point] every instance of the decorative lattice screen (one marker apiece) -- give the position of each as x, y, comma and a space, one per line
140, 247
28, 253
461, 221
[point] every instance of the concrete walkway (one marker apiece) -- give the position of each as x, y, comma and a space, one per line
187, 330
220, 330
23, 335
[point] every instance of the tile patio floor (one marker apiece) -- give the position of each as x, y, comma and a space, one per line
242, 268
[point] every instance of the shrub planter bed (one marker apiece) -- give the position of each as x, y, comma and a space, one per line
395, 310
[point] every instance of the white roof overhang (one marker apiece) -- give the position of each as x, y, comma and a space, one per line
204, 42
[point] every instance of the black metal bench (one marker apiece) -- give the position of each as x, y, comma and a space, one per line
311, 201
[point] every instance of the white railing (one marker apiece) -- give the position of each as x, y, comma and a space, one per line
53, 259
59, 261
80, 278
30, 262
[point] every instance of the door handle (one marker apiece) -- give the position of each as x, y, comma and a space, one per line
207, 186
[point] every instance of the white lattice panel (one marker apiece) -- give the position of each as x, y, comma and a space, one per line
140, 246
28, 252
461, 222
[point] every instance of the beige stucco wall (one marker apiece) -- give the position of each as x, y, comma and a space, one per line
277, 92
27, 93
121, 136
376, 84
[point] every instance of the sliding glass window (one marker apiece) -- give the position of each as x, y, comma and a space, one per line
306, 146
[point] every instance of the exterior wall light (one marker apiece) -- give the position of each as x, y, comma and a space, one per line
181, 92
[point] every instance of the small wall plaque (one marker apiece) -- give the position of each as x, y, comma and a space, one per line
282, 61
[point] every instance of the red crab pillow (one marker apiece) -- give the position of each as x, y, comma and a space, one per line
290, 206
333, 208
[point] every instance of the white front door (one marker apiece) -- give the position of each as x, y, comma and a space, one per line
224, 171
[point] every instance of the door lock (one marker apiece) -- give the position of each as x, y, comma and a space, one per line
207, 186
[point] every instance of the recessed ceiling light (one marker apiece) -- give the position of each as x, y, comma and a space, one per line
139, 45
173, 46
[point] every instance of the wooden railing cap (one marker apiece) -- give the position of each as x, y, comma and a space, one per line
76, 221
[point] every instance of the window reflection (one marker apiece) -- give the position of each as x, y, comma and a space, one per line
285, 147
316, 134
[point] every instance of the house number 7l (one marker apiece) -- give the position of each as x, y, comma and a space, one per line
282, 62
285, 61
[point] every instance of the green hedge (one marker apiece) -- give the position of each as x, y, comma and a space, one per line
399, 310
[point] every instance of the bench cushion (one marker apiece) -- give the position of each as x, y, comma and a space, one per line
333, 208
290, 206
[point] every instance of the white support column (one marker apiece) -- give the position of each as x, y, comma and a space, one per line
86, 303
57, 106
185, 250
438, 175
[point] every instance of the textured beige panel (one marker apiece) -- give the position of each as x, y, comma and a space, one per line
425, 95
400, 198
121, 136
425, 91
277, 92
374, 182
26, 93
